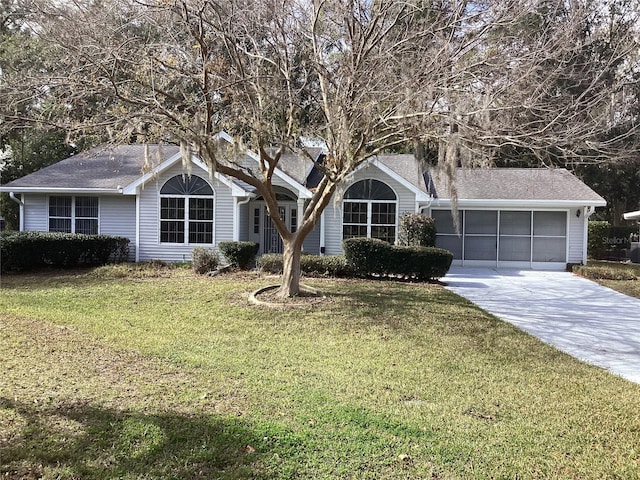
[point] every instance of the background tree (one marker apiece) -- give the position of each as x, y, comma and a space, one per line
25, 147
464, 78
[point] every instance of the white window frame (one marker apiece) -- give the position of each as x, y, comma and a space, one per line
186, 221
369, 203
73, 218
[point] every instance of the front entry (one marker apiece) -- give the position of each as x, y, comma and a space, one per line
264, 230
271, 238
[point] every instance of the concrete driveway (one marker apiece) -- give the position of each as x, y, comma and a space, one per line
578, 316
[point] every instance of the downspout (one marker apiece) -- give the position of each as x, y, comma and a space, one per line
427, 206
322, 233
588, 211
236, 218
137, 256
13, 197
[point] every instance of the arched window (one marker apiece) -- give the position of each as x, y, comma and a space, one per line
369, 210
186, 210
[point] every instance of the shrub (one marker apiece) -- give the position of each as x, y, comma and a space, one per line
204, 260
420, 263
29, 250
331, 265
600, 236
604, 273
270, 262
239, 254
416, 230
596, 246
367, 256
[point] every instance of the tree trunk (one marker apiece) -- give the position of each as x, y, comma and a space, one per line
291, 268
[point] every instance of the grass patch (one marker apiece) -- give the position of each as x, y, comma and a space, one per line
622, 277
172, 375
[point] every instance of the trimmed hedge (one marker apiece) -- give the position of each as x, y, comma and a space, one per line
329, 265
369, 256
420, 263
239, 254
21, 251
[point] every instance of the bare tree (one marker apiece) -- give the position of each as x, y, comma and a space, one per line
363, 76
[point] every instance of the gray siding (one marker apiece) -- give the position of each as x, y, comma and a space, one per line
118, 218
312, 242
244, 220
575, 236
333, 213
36, 216
150, 246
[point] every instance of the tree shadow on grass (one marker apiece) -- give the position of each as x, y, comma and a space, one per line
84, 441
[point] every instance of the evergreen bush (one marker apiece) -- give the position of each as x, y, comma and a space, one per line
239, 254
21, 251
416, 230
369, 256
330, 265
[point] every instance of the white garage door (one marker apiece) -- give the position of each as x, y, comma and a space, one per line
504, 238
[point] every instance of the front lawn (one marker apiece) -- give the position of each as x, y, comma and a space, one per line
161, 374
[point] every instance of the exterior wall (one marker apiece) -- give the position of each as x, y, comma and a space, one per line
149, 242
333, 213
36, 216
575, 238
312, 242
118, 218
244, 220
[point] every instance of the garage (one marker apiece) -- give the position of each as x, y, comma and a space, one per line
513, 218
504, 238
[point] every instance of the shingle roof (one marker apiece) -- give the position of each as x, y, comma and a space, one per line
110, 168
296, 166
408, 167
100, 168
513, 184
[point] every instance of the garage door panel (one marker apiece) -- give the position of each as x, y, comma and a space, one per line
515, 249
549, 223
549, 250
453, 243
480, 247
480, 222
515, 223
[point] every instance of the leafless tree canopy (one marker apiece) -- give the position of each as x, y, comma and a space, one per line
468, 78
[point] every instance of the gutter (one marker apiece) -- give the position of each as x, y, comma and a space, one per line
502, 204
65, 190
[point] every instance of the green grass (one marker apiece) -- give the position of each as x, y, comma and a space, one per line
141, 373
